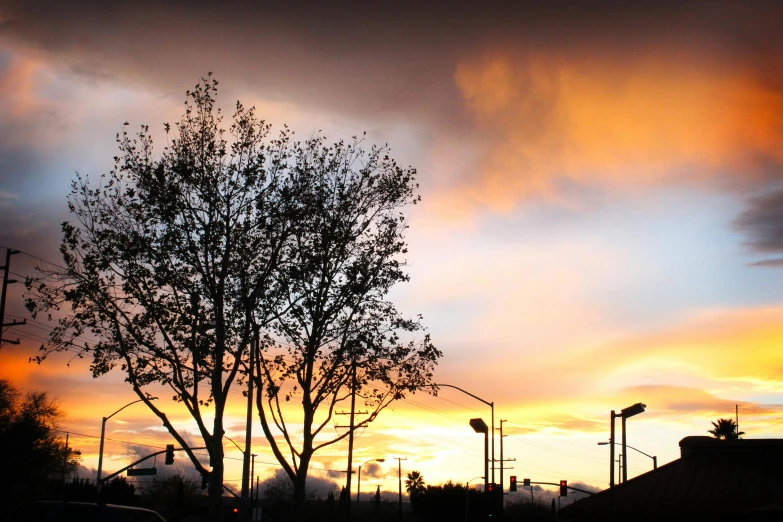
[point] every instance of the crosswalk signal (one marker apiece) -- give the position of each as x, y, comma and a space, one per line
513, 485
563, 488
169, 454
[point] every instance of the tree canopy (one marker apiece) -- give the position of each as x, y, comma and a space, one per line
414, 484
335, 333
168, 259
36, 455
725, 429
232, 242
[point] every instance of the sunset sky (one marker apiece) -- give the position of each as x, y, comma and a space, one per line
601, 220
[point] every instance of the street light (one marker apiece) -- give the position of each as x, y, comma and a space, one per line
103, 431
492, 407
630, 411
479, 426
359, 486
653, 457
467, 490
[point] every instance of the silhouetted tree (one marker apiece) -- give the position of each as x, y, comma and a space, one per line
168, 263
177, 264
414, 484
81, 490
447, 502
169, 494
34, 453
725, 429
118, 491
343, 259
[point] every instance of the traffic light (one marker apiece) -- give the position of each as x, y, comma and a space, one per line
169, 454
563, 488
493, 499
526, 483
513, 485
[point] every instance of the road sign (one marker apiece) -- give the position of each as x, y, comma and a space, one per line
142, 471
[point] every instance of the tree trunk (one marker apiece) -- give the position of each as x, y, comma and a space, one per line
216, 479
300, 491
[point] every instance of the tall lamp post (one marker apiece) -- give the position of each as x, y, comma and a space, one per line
625, 413
653, 457
492, 407
359, 487
103, 432
479, 426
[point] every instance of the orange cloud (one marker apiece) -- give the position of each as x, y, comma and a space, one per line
730, 346
549, 120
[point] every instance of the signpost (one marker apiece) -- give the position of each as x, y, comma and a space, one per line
137, 472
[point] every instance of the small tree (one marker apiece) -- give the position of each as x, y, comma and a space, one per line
35, 453
725, 429
168, 260
414, 484
118, 491
170, 494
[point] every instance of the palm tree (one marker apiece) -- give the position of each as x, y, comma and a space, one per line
414, 484
725, 429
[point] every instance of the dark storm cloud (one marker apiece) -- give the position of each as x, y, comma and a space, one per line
363, 58
762, 224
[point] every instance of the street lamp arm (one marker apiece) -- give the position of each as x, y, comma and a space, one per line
234, 443
490, 404
492, 407
130, 403
103, 432
627, 446
640, 451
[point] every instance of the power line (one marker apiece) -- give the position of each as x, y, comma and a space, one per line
34, 257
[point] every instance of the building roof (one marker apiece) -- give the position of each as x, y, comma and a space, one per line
713, 479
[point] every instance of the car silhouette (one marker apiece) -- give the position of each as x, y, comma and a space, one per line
62, 511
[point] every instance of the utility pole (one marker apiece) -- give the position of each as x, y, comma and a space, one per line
252, 474
351, 428
247, 474
8, 253
399, 482
502, 460
350, 442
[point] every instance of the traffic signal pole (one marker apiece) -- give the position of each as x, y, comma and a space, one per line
561, 485
129, 466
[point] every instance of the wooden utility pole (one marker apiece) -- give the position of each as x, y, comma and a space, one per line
350, 442
247, 474
8, 253
399, 482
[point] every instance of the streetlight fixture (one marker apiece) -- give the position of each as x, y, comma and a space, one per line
653, 457
103, 431
359, 486
625, 413
479, 426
